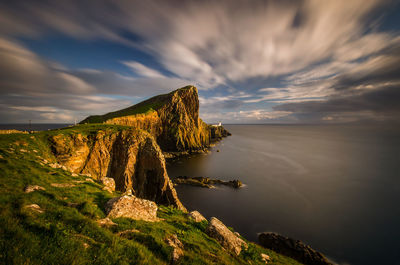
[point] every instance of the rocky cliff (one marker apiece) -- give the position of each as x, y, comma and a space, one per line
173, 119
131, 157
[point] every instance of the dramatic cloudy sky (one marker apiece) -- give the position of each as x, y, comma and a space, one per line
253, 61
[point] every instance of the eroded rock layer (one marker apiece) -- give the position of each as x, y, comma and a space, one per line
131, 157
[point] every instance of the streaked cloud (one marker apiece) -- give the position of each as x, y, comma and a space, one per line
252, 61
143, 70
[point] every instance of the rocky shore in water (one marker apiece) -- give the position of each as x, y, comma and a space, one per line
292, 248
206, 182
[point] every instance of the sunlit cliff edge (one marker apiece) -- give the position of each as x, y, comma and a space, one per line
173, 119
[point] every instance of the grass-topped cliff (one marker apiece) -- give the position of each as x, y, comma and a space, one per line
144, 107
58, 224
173, 119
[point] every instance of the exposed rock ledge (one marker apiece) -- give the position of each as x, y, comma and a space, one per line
292, 248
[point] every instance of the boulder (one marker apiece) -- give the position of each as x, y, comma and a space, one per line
174, 242
235, 183
265, 258
109, 184
217, 230
34, 208
197, 217
31, 188
132, 207
292, 248
105, 222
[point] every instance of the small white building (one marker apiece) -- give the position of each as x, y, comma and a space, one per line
217, 125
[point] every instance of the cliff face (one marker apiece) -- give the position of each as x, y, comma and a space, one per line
131, 157
149, 122
173, 119
182, 129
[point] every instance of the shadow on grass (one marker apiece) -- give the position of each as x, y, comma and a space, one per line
157, 248
101, 199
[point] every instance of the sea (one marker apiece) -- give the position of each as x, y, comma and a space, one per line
334, 187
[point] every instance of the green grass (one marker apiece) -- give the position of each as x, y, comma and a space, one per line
66, 232
144, 107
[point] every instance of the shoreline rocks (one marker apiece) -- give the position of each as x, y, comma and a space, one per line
206, 182
292, 248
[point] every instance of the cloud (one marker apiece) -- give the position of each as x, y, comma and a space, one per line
143, 70
376, 104
57, 117
39, 109
213, 42
32, 87
249, 116
307, 58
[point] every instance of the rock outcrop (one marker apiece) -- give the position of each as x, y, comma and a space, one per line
174, 242
149, 122
106, 222
196, 216
265, 258
217, 230
32, 188
206, 182
218, 132
34, 208
182, 128
109, 184
132, 207
131, 157
292, 248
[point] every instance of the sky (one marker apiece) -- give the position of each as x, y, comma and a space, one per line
286, 61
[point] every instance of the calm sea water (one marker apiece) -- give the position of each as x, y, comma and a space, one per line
336, 188
33, 126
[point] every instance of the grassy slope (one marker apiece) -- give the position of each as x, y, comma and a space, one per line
59, 235
146, 106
